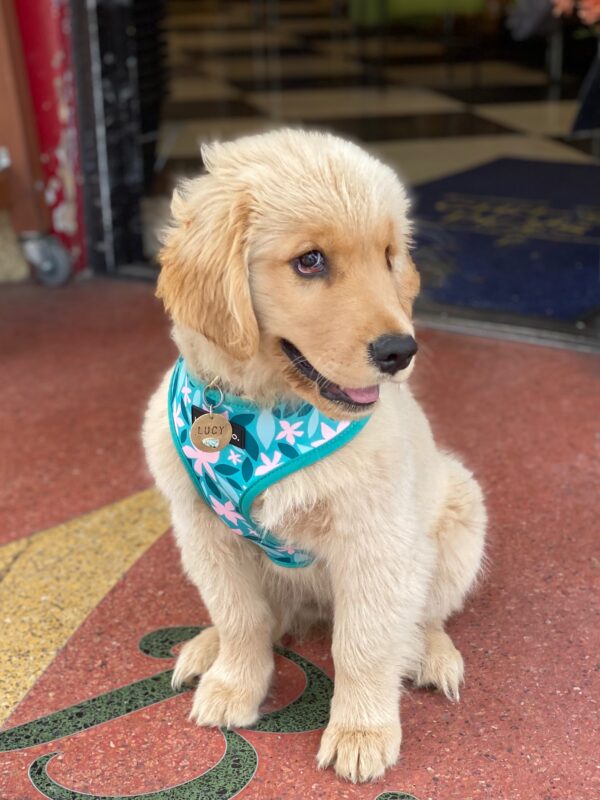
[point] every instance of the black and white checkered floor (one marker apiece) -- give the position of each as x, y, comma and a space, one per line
242, 67
429, 104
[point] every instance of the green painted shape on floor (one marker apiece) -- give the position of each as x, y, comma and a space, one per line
161, 642
395, 796
308, 712
89, 713
228, 777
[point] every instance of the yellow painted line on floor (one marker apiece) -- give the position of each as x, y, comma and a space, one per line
52, 580
10, 552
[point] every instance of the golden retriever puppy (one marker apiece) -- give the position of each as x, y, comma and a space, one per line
286, 271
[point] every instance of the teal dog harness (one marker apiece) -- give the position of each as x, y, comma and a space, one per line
266, 445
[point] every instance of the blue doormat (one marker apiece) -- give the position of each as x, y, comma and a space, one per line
515, 236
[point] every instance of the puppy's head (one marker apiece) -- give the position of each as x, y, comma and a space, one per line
294, 245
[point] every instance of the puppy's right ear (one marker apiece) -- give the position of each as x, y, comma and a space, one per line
203, 280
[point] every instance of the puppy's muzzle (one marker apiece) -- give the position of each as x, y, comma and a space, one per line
392, 352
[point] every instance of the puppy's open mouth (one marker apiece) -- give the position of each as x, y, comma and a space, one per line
352, 398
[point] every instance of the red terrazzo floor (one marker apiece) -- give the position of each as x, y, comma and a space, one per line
78, 365
81, 363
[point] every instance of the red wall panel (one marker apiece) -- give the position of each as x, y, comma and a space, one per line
46, 35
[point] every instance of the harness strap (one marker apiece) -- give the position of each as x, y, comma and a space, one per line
266, 446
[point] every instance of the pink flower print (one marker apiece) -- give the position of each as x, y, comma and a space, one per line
249, 533
268, 463
289, 432
202, 460
177, 418
186, 392
327, 432
226, 510
284, 548
235, 458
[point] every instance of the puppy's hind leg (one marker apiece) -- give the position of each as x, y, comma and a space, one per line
442, 665
459, 536
196, 657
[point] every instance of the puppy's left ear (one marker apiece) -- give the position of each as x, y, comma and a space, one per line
408, 283
411, 285
203, 280
406, 275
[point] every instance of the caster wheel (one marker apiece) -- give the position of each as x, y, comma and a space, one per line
50, 260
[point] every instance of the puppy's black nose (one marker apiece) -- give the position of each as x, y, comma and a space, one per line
393, 352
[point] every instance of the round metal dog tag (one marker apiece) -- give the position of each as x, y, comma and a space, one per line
211, 432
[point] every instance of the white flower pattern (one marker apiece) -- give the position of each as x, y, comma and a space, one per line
328, 433
177, 418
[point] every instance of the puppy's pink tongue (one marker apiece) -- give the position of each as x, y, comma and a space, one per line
368, 394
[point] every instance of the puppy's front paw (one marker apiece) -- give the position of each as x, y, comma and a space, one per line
359, 754
196, 657
224, 705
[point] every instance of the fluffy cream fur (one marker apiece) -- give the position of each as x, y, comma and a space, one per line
397, 526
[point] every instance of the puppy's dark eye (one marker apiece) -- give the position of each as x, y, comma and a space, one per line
388, 258
311, 263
